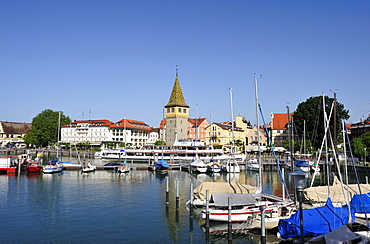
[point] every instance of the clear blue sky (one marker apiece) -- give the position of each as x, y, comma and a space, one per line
118, 58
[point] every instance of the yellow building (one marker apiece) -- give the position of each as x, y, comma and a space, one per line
223, 134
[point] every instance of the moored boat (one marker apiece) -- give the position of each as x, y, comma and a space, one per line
231, 166
161, 167
89, 168
52, 167
214, 167
198, 166
252, 165
8, 164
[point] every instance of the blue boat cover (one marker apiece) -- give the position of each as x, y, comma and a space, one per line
301, 163
161, 164
316, 221
360, 203
112, 164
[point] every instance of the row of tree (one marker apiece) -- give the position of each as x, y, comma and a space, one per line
308, 117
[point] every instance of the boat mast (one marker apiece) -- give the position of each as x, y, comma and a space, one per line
258, 138
326, 144
232, 126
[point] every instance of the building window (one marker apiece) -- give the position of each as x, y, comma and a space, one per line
184, 110
179, 110
168, 110
172, 110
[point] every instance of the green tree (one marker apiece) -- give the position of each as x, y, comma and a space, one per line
312, 112
45, 129
160, 142
359, 144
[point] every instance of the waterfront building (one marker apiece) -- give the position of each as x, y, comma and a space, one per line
132, 133
197, 129
93, 131
128, 132
360, 128
279, 131
252, 140
12, 133
153, 136
221, 134
176, 113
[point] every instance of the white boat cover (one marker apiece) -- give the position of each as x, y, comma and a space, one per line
320, 193
222, 187
237, 199
198, 163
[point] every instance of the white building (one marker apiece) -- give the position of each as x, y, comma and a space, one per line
131, 132
93, 131
127, 132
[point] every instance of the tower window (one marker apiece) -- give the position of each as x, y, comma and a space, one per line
184, 110
168, 110
172, 110
179, 110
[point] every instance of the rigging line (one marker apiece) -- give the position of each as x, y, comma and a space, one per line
273, 151
323, 141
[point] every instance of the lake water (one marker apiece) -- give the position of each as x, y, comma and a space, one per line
108, 207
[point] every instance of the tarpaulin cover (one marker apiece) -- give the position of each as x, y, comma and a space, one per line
361, 203
316, 221
161, 164
237, 199
222, 187
300, 163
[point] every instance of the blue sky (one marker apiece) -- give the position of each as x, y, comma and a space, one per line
118, 58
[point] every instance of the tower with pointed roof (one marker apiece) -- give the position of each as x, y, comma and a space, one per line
177, 113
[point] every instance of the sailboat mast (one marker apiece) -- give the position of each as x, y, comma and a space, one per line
258, 137
232, 119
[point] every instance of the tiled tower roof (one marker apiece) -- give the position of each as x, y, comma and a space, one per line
176, 98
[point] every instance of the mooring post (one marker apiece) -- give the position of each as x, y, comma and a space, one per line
263, 228
207, 209
191, 201
177, 195
229, 222
167, 192
282, 172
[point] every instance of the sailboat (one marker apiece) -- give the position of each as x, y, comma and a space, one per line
124, 168
54, 166
161, 166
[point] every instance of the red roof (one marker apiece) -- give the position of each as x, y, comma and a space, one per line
99, 122
129, 123
195, 122
280, 121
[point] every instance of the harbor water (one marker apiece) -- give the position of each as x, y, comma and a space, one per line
108, 207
